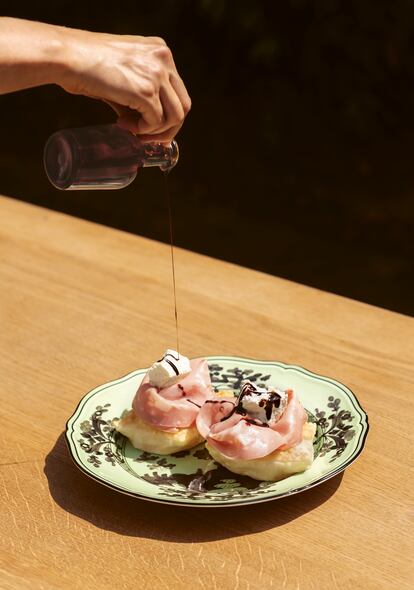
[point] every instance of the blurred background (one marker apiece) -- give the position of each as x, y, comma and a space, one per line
297, 158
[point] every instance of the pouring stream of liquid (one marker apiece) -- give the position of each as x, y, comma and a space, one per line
168, 198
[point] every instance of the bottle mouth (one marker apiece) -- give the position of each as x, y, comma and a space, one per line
159, 154
173, 155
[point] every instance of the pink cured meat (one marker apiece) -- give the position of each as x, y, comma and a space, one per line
237, 439
169, 408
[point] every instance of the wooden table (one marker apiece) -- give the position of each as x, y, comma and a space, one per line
82, 304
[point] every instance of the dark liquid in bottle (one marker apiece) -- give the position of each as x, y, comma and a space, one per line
103, 157
170, 219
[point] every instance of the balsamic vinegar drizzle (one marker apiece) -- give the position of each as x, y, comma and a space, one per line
219, 401
176, 358
168, 199
167, 360
174, 368
191, 402
274, 400
184, 393
237, 409
249, 388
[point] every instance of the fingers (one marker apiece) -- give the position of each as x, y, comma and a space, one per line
181, 91
173, 95
165, 137
158, 100
173, 116
142, 117
151, 111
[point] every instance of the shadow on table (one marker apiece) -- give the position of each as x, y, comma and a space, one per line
109, 510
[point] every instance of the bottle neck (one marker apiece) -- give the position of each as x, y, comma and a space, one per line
157, 154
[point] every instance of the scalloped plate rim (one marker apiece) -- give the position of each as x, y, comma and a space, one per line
363, 422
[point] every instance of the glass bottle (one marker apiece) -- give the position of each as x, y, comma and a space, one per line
101, 157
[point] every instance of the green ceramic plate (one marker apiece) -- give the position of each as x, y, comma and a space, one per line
191, 478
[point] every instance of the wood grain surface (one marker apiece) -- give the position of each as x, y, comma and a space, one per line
82, 304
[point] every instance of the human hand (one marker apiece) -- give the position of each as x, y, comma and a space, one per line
135, 75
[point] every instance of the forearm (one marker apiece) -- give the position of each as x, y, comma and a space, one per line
31, 54
136, 75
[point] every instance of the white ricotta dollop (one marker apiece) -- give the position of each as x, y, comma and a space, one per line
169, 370
261, 403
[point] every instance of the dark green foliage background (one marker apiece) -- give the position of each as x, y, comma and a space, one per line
297, 157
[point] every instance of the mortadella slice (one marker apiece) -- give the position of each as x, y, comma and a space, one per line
291, 422
213, 412
238, 438
176, 406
